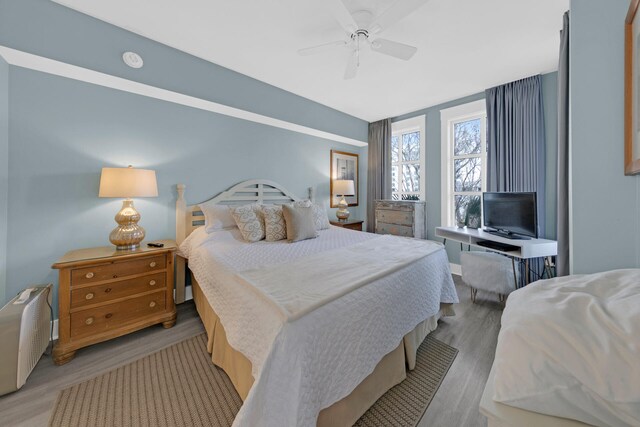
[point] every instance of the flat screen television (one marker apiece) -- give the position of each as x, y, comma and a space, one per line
511, 215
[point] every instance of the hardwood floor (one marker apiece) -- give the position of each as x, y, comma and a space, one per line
473, 331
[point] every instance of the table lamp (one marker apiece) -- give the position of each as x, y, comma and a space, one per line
343, 187
127, 183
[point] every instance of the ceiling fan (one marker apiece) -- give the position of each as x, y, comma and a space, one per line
362, 28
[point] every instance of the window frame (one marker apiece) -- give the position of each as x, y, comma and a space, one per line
448, 119
398, 129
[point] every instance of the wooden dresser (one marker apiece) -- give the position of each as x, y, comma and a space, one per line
351, 224
401, 218
104, 293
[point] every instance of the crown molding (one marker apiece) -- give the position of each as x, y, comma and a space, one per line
50, 66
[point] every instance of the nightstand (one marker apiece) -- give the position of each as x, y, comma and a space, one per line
351, 224
104, 293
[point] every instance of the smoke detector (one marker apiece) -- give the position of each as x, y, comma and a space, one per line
132, 59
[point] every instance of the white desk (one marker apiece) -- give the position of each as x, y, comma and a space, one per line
527, 249
533, 248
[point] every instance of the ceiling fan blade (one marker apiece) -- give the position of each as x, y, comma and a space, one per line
342, 15
352, 66
395, 49
394, 14
321, 48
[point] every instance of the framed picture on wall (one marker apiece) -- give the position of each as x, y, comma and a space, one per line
632, 91
344, 166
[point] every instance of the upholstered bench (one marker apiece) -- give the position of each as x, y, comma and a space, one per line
489, 272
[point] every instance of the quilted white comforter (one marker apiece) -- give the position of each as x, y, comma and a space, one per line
302, 366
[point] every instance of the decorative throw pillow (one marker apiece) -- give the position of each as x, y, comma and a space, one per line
216, 217
275, 228
321, 218
248, 221
300, 222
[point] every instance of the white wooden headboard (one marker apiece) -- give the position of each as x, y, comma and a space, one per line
190, 217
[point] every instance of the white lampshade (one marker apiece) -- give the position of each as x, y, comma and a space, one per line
343, 187
128, 182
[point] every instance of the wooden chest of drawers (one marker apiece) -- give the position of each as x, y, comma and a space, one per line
104, 293
351, 224
401, 218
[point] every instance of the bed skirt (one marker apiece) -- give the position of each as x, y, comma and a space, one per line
390, 371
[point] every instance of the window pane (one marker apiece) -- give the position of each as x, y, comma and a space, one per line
411, 146
395, 196
467, 174
410, 197
394, 149
467, 210
466, 137
395, 185
411, 178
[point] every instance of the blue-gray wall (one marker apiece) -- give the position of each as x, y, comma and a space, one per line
4, 171
606, 204
63, 131
434, 158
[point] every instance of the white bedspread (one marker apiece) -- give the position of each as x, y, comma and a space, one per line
307, 364
570, 347
321, 278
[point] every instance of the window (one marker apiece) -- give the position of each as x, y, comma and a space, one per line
464, 159
408, 159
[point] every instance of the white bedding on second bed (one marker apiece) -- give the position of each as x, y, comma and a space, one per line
305, 365
570, 347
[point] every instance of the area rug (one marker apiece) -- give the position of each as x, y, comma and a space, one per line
180, 386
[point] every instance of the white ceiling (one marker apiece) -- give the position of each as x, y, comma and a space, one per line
464, 46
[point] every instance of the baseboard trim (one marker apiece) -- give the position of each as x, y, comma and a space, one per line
55, 329
455, 269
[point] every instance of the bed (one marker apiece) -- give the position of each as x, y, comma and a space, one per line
315, 363
568, 354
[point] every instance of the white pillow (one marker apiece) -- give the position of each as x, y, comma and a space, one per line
275, 227
320, 216
248, 220
216, 217
570, 347
322, 219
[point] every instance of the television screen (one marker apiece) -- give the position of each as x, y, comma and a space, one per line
511, 213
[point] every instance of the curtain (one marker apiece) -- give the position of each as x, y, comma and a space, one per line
379, 171
516, 143
562, 260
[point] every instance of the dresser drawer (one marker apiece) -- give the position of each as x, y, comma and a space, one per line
394, 205
110, 291
395, 229
114, 270
112, 316
395, 217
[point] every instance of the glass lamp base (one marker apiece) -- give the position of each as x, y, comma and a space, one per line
128, 234
343, 212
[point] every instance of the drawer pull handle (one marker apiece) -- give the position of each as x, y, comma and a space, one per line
152, 282
152, 304
108, 315
152, 264
89, 321
107, 290
90, 295
89, 275
115, 276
